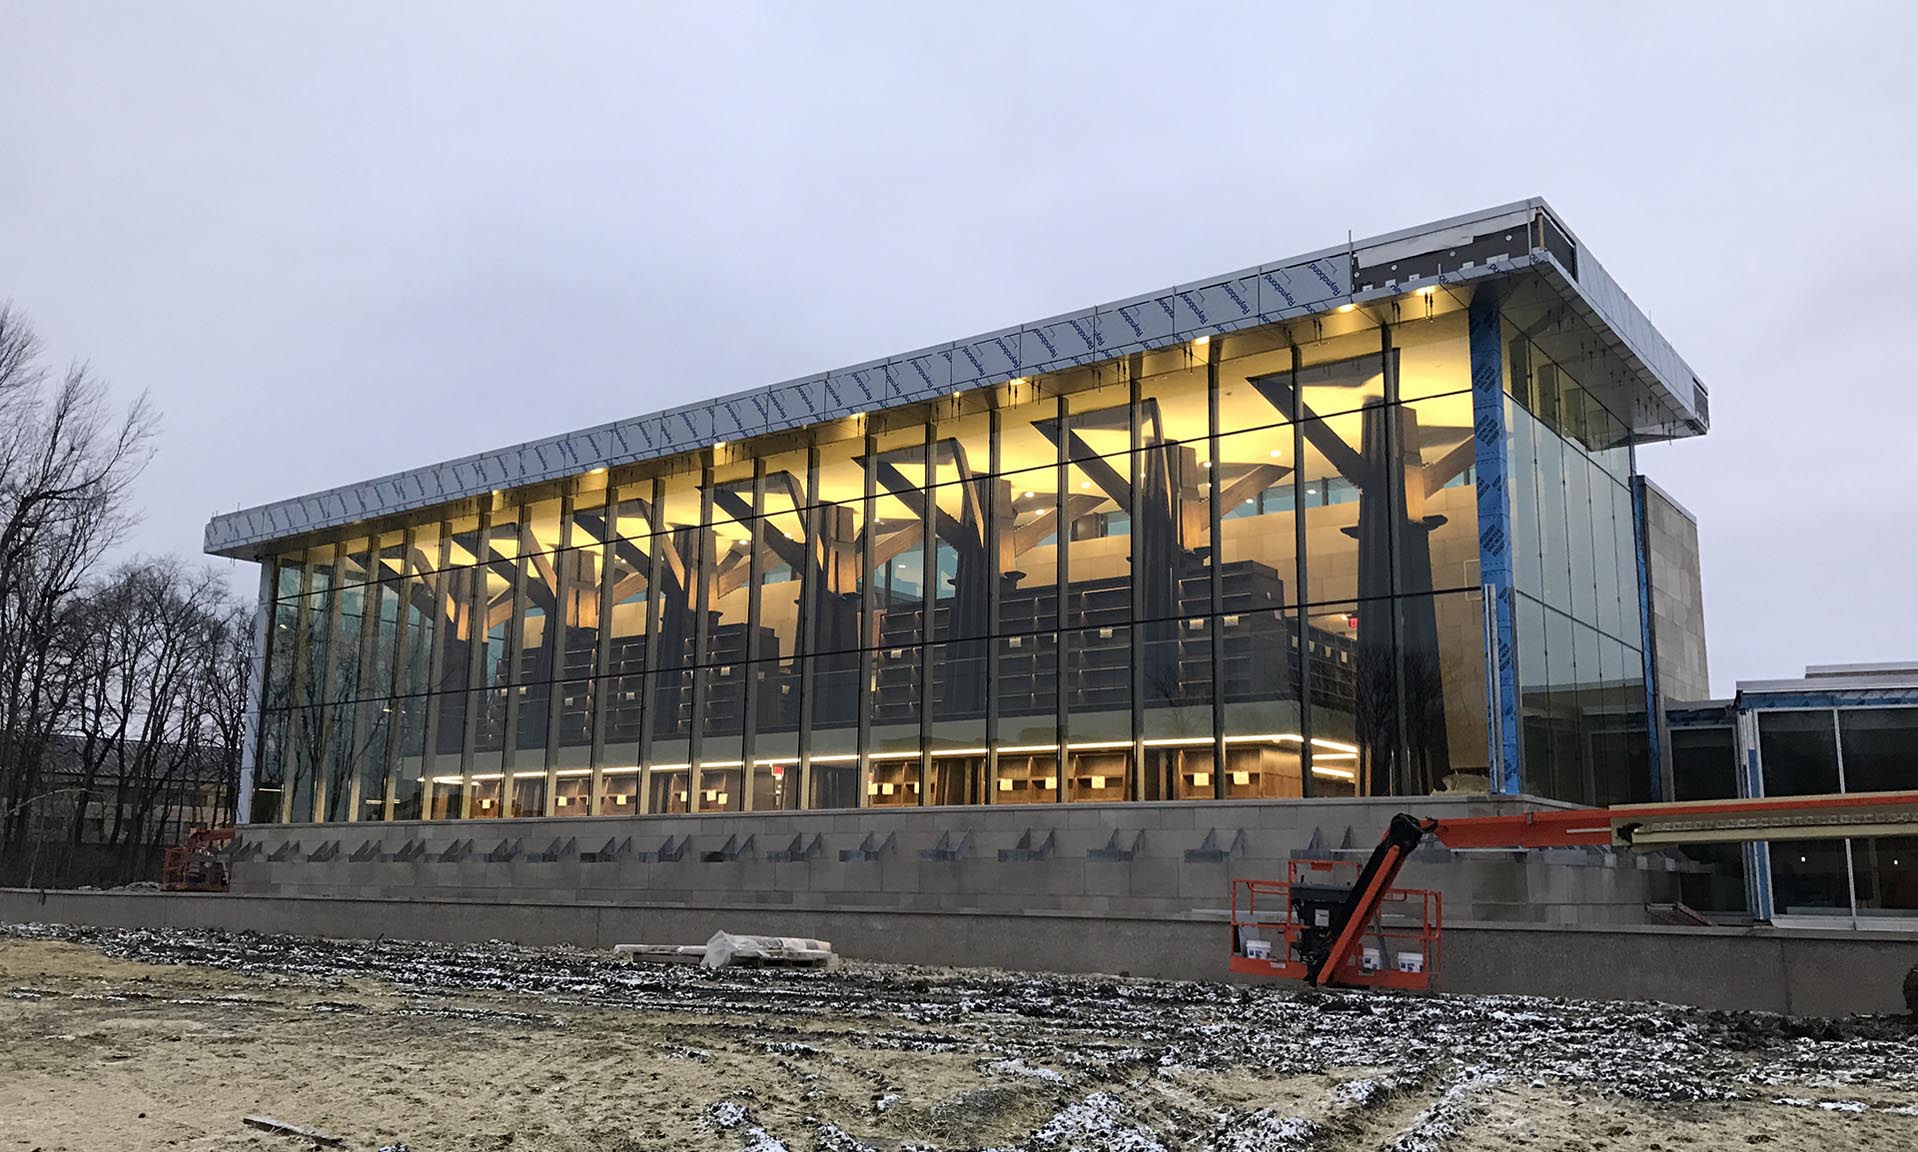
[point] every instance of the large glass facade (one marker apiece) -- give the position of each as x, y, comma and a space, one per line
1581, 680
1242, 567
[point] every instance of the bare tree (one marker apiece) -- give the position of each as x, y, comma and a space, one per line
136, 676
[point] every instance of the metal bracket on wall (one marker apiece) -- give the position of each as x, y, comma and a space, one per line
455, 852
1209, 852
870, 849
1113, 852
798, 852
556, 851
731, 850
945, 850
324, 852
409, 852
669, 852
609, 852
284, 852
1025, 849
507, 852
367, 852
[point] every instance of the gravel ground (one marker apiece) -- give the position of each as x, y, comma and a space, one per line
164, 1039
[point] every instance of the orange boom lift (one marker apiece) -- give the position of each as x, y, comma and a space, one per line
196, 864
1314, 925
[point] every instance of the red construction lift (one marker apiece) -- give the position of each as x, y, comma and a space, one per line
195, 864
1341, 923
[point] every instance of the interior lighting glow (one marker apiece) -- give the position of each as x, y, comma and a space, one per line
1347, 307
1199, 343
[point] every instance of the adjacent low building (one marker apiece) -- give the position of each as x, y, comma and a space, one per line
1363, 522
1839, 728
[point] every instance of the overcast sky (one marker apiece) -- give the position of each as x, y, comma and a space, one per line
337, 240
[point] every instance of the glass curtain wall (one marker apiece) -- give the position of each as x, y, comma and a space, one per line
1575, 578
1822, 750
1244, 567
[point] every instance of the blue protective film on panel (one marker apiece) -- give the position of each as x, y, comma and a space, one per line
1648, 659
1494, 530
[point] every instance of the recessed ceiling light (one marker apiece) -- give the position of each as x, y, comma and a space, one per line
1274, 453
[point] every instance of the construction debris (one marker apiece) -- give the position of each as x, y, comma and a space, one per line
726, 949
282, 1128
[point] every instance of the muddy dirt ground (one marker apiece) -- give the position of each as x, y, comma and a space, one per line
147, 1040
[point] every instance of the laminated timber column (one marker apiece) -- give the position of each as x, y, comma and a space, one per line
1492, 464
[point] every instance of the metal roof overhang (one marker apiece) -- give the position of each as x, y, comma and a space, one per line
1642, 378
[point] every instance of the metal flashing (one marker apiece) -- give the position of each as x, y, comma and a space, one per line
1283, 290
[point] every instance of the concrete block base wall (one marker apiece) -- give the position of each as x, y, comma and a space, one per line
1154, 860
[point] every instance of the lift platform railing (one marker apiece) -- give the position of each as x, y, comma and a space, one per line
1284, 928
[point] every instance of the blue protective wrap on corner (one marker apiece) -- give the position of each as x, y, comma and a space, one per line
1640, 549
1495, 526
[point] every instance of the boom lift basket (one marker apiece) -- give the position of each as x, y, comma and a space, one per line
1278, 927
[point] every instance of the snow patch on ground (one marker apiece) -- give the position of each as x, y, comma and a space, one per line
1827, 1105
1018, 1067
732, 1116
1266, 1131
1099, 1123
1445, 1119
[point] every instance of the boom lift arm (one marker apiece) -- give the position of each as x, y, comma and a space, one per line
1624, 826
